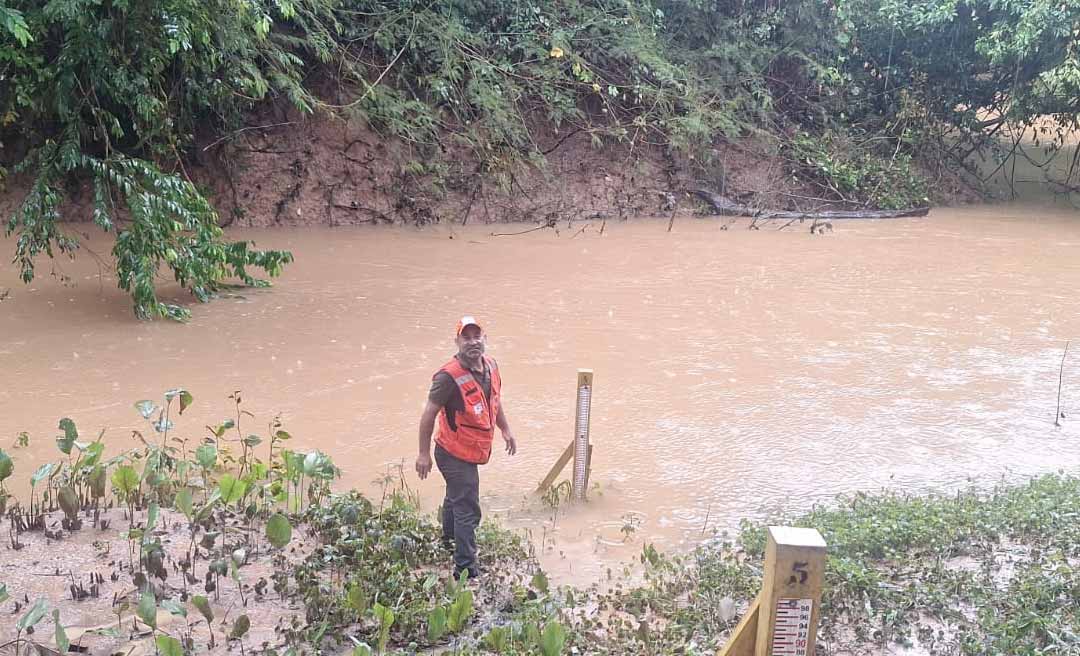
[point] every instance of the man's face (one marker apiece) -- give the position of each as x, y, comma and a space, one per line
470, 342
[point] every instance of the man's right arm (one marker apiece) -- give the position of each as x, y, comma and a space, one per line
427, 425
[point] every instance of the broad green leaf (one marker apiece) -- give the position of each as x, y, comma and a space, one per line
228, 423
7, 465
147, 609
168, 646
152, 517
125, 479
208, 506
540, 582
97, 481
4, 596
362, 649
92, 453
356, 599
386, 620
259, 471
436, 624
185, 400
174, 607
62, 641
146, 408
278, 530
65, 442
12, 20
318, 465
203, 605
252, 441
184, 504
42, 473
206, 455
497, 639
460, 610
32, 616
240, 627
552, 639
69, 502
282, 436
232, 490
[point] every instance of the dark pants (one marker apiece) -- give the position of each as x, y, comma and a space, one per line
461, 509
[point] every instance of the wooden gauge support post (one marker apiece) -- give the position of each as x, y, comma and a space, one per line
783, 620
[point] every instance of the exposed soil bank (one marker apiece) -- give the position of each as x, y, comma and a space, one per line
286, 169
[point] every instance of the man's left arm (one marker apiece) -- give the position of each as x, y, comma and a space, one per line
508, 436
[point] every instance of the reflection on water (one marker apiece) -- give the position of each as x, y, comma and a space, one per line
738, 373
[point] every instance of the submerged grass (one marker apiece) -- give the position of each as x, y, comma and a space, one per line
978, 572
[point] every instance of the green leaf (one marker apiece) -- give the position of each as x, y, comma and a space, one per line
436, 624
174, 607
69, 502
125, 480
206, 455
70, 435
497, 639
12, 20
540, 582
152, 517
240, 627
386, 620
232, 490
552, 639
278, 530
4, 596
356, 599
32, 616
185, 400
362, 649
203, 605
146, 408
318, 465
62, 641
42, 473
147, 609
168, 646
252, 441
92, 453
184, 503
7, 466
460, 610
97, 481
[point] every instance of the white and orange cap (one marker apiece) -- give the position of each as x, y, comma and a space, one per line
467, 320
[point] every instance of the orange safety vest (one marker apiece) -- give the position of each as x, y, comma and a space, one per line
467, 432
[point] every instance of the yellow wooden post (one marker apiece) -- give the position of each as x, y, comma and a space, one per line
583, 407
783, 619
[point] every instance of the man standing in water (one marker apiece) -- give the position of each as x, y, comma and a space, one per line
465, 397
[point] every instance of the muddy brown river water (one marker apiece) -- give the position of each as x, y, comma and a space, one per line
738, 373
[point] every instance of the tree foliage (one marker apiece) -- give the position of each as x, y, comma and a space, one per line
117, 93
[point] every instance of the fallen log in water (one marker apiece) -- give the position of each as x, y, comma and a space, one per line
724, 206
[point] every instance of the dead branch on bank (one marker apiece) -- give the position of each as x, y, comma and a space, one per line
550, 224
724, 206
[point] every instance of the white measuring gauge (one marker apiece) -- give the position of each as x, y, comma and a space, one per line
581, 432
792, 627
